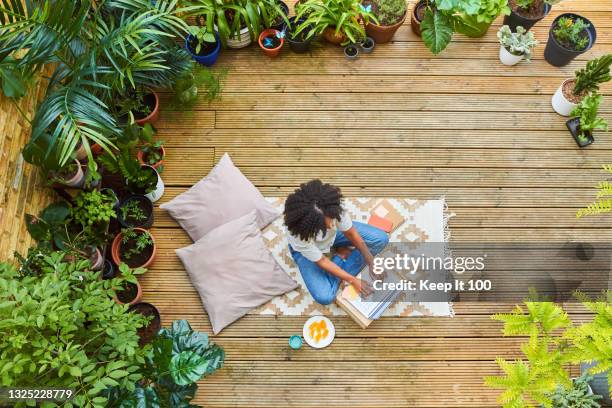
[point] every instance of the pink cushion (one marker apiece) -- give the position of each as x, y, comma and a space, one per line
224, 195
233, 271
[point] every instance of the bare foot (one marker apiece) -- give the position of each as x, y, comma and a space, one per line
343, 252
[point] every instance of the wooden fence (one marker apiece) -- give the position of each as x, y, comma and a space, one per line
22, 189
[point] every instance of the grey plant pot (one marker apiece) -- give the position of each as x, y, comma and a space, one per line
599, 384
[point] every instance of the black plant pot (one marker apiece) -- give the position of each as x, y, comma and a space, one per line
147, 333
297, 46
556, 54
145, 205
108, 270
282, 25
514, 20
574, 127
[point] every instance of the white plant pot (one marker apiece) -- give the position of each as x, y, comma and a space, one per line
560, 103
78, 180
159, 189
241, 41
507, 58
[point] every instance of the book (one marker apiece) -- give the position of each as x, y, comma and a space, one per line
386, 211
381, 223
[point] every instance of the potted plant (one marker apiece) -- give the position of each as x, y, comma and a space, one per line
578, 395
93, 210
274, 14
390, 14
351, 52
584, 120
475, 21
148, 332
417, 15
298, 41
152, 154
338, 20
271, 41
143, 104
515, 46
48, 229
203, 45
135, 211
108, 270
526, 13
134, 246
70, 175
178, 359
585, 81
128, 290
570, 35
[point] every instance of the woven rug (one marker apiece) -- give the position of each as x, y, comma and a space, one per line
425, 221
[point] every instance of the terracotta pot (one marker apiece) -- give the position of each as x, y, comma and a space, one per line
154, 115
96, 149
136, 298
330, 35
80, 152
270, 52
117, 244
140, 156
382, 33
415, 23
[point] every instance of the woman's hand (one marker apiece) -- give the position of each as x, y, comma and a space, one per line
362, 287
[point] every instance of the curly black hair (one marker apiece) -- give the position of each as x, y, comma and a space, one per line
307, 206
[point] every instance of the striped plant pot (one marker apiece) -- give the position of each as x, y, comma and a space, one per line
241, 41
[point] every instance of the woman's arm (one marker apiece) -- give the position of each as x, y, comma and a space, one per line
353, 235
360, 286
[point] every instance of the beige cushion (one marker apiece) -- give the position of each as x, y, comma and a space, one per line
224, 195
233, 271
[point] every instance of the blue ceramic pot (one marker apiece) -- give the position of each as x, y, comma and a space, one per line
207, 60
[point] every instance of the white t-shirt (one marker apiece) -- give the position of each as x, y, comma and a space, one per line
314, 249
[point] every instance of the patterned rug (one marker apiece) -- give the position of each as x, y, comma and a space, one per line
425, 221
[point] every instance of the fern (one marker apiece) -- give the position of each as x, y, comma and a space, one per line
539, 318
602, 205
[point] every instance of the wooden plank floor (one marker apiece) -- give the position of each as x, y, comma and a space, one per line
399, 122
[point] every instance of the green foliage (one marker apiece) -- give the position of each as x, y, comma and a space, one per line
519, 43
604, 202
34, 262
177, 359
587, 111
490, 9
571, 33
153, 153
553, 343
98, 50
93, 208
63, 329
201, 35
525, 4
229, 17
344, 16
596, 72
388, 12
134, 242
132, 210
48, 229
576, 396
200, 81
436, 31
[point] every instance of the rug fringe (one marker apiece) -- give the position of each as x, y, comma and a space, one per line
446, 216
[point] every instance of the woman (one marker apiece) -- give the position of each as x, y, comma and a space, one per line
317, 223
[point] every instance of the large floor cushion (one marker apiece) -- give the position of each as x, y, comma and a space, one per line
233, 270
224, 195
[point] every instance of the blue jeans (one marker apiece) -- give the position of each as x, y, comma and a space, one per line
321, 284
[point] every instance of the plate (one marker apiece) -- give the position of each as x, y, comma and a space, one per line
322, 342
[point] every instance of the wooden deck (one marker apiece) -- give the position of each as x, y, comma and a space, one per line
399, 122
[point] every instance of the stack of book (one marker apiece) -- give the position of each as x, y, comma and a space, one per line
387, 218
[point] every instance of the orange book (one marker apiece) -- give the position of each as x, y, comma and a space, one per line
381, 223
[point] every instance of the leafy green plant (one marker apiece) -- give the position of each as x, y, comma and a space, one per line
134, 242
132, 210
596, 72
178, 358
93, 208
587, 111
271, 12
96, 50
48, 229
535, 4
576, 396
572, 33
343, 16
436, 30
519, 43
603, 203
201, 35
153, 153
63, 329
388, 12
188, 87
553, 343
